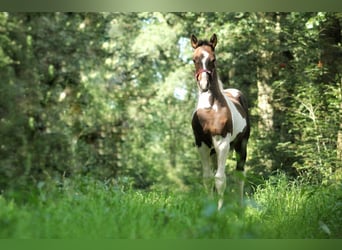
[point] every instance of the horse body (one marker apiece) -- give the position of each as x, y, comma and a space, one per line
220, 121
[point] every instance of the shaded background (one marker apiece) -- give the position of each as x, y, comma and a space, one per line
110, 95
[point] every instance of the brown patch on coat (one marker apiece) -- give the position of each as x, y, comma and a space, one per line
208, 122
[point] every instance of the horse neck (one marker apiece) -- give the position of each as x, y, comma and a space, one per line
216, 87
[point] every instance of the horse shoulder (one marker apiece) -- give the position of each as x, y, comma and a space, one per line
238, 111
238, 99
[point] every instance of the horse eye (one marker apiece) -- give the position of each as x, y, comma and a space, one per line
212, 62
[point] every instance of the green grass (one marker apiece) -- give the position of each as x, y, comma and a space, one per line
298, 210
92, 209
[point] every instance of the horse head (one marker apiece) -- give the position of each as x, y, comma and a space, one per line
204, 60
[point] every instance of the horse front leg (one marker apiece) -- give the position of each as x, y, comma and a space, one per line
208, 176
222, 148
241, 153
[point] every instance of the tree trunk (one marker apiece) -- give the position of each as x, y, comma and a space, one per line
265, 97
339, 134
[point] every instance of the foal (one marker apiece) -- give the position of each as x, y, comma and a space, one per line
220, 121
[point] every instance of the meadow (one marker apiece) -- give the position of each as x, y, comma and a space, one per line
95, 125
87, 208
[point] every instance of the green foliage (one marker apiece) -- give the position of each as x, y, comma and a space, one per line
88, 208
110, 95
296, 209
92, 209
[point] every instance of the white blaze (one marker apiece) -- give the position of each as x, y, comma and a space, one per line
204, 76
204, 59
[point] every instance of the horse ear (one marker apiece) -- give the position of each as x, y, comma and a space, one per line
213, 40
194, 41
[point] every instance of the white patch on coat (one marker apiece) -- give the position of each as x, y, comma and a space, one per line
234, 92
215, 107
239, 123
221, 145
204, 100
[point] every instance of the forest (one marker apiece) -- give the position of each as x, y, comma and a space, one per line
102, 102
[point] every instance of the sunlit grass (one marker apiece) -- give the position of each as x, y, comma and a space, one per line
92, 209
293, 209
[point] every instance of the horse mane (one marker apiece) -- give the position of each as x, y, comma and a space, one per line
204, 43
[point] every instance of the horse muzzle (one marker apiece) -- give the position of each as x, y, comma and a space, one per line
203, 85
203, 79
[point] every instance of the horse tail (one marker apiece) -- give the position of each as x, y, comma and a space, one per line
244, 103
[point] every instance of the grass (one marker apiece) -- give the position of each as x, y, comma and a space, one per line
298, 210
92, 209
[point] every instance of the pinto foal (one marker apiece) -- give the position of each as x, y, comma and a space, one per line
220, 121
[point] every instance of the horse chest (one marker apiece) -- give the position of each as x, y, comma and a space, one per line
212, 121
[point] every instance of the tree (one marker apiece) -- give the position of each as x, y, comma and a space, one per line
111, 95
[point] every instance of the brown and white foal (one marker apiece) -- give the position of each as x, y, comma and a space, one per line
220, 121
